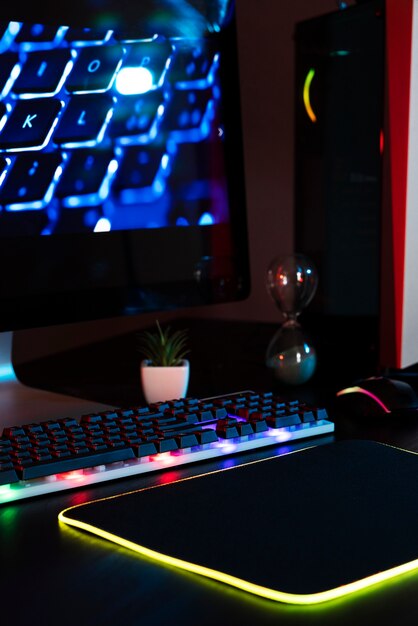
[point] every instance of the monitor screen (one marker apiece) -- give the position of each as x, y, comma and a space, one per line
121, 169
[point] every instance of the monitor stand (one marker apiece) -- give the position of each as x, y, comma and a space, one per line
20, 404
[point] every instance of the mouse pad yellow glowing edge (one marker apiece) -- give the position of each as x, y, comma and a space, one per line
302, 528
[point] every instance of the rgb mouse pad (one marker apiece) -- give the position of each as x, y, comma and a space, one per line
301, 528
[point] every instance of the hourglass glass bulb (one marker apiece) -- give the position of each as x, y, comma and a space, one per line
292, 283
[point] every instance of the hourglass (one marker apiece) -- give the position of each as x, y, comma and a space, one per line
292, 283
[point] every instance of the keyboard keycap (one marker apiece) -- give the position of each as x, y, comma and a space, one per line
42, 72
185, 440
320, 413
91, 458
30, 124
36, 33
187, 115
94, 69
84, 174
137, 116
206, 436
226, 428
144, 448
259, 425
166, 444
152, 55
283, 422
192, 66
139, 167
30, 179
83, 120
307, 416
244, 429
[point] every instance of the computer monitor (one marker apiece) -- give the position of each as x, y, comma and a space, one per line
121, 169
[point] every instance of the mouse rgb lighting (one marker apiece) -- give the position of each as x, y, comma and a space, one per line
365, 392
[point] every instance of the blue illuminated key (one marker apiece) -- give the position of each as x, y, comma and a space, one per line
84, 173
29, 179
137, 116
188, 111
139, 167
192, 65
30, 123
84, 120
42, 72
150, 55
36, 33
94, 69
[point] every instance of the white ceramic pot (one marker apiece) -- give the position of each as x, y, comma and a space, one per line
164, 383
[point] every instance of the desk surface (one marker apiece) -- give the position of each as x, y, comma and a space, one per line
56, 575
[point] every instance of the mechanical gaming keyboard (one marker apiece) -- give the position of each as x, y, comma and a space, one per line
62, 454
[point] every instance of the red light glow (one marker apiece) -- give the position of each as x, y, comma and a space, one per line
366, 393
76, 475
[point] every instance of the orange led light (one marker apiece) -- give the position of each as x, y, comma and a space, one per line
307, 95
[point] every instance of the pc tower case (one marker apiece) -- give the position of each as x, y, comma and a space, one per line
356, 208
339, 117
338, 151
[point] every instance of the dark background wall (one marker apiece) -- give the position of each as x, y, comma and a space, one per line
265, 32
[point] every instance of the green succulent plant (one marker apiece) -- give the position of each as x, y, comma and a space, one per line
164, 348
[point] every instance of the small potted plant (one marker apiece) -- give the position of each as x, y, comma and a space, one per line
164, 370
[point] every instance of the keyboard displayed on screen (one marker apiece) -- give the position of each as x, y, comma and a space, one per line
103, 131
66, 453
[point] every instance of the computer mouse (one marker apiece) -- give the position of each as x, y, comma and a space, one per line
376, 396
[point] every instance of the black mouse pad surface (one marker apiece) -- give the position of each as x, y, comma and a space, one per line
301, 528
